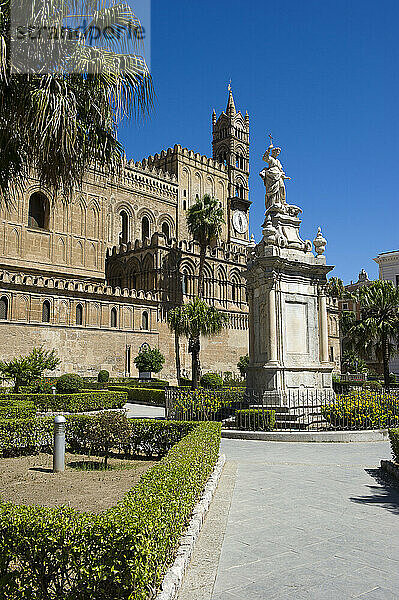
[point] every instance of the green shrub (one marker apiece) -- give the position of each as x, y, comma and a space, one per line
25, 436
70, 383
243, 364
12, 409
184, 382
83, 402
255, 419
103, 376
206, 405
149, 360
146, 396
372, 385
211, 381
122, 553
394, 439
362, 410
151, 437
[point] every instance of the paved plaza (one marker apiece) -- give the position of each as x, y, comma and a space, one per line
306, 521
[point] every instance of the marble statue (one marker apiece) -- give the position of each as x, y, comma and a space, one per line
273, 177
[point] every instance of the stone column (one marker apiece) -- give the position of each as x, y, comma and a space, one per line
272, 326
323, 327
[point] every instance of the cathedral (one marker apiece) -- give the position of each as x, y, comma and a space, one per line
95, 277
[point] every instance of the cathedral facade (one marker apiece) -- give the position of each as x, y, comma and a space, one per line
93, 278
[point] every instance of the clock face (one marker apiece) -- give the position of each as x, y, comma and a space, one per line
240, 221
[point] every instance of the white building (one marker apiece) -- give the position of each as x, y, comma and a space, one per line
388, 264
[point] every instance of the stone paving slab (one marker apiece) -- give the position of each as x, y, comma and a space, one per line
310, 522
143, 411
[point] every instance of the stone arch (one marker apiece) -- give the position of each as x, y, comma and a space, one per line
210, 186
92, 256
187, 188
46, 311
78, 253
166, 219
4, 308
187, 273
221, 280
14, 244
208, 282
61, 250
197, 186
148, 273
93, 221
133, 274
23, 308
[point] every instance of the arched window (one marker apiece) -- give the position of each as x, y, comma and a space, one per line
145, 321
124, 235
46, 312
79, 315
3, 308
184, 283
39, 211
114, 319
166, 230
145, 228
233, 291
134, 282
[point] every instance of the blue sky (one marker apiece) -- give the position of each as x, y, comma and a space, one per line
321, 76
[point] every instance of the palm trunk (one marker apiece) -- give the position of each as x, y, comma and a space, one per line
385, 361
177, 356
201, 272
194, 348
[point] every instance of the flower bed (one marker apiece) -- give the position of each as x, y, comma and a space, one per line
122, 553
205, 405
82, 402
362, 410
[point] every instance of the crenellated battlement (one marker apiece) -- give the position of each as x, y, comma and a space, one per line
72, 285
177, 150
224, 252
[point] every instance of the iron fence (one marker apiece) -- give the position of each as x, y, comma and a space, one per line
308, 410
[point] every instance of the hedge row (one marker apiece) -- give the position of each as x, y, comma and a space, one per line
363, 409
394, 439
82, 402
16, 409
123, 553
130, 436
143, 395
255, 419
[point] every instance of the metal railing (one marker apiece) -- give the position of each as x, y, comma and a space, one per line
307, 410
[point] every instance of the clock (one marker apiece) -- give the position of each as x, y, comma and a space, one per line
240, 221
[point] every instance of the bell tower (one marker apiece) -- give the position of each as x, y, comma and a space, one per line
230, 146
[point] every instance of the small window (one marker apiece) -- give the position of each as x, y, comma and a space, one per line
145, 321
145, 228
38, 211
114, 320
397, 280
184, 283
3, 308
79, 315
46, 312
331, 354
184, 204
185, 193
233, 292
166, 230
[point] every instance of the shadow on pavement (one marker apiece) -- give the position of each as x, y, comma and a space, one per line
385, 493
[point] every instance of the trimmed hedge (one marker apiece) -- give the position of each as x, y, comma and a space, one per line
123, 553
255, 419
394, 439
83, 402
16, 409
146, 396
135, 436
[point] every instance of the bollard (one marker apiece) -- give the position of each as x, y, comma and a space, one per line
59, 444
54, 390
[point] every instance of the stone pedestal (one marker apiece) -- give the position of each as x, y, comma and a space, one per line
287, 310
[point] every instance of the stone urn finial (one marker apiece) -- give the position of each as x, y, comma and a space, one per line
252, 243
269, 231
319, 243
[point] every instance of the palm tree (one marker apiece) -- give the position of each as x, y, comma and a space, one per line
336, 288
204, 221
61, 117
175, 321
192, 320
378, 327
